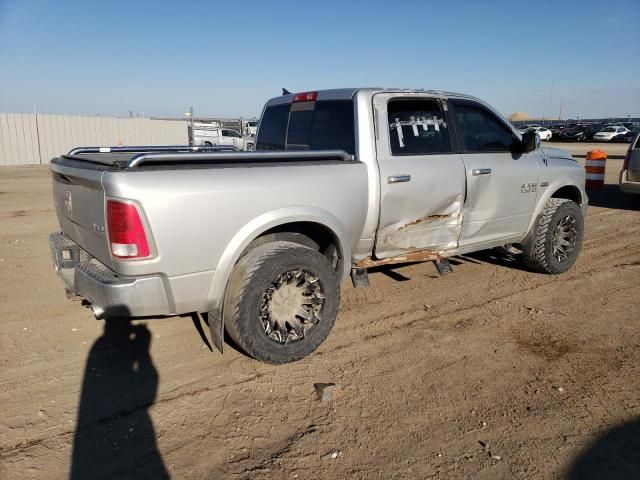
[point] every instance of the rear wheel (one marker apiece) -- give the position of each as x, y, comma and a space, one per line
557, 237
282, 302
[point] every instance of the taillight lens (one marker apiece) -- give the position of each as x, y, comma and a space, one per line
305, 97
625, 163
127, 238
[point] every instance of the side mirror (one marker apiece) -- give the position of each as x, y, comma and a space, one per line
530, 142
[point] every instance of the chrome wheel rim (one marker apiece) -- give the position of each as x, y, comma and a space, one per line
564, 237
291, 306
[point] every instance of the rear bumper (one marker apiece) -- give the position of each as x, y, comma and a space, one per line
109, 294
628, 186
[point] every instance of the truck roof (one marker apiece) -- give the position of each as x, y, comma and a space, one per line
348, 93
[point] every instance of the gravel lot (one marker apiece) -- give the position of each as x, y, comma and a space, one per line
490, 372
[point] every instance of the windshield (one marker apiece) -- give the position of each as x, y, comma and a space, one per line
609, 129
323, 125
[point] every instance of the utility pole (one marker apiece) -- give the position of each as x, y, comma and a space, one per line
560, 115
550, 96
190, 125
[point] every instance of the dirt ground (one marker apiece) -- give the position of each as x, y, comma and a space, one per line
489, 372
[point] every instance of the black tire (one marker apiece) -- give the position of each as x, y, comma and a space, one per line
539, 253
253, 275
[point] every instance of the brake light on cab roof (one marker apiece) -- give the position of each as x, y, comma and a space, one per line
305, 97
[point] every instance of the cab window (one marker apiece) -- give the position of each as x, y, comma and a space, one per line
481, 131
417, 127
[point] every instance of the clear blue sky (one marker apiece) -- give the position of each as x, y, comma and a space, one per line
226, 58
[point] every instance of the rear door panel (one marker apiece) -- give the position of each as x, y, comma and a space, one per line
423, 211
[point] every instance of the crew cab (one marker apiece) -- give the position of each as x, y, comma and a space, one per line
342, 181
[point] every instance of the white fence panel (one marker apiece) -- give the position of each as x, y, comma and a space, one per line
29, 139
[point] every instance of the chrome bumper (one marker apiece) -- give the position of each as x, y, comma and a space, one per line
109, 294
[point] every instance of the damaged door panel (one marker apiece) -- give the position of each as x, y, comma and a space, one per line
433, 231
423, 212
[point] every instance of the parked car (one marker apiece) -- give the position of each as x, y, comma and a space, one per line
212, 133
524, 128
630, 135
627, 125
630, 173
609, 134
250, 127
343, 180
556, 130
579, 133
543, 132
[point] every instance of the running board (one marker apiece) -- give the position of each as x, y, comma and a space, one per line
443, 266
359, 277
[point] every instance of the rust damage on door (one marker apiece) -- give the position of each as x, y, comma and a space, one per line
423, 256
428, 219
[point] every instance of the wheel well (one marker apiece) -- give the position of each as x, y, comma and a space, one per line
309, 234
569, 192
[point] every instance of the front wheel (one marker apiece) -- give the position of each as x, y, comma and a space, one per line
282, 301
557, 237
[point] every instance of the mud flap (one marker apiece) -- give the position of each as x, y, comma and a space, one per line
216, 328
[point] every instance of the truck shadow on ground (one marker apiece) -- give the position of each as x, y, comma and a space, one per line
610, 196
614, 455
499, 257
115, 437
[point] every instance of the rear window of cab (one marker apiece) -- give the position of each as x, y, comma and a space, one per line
319, 125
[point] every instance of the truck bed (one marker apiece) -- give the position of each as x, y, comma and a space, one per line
197, 206
119, 158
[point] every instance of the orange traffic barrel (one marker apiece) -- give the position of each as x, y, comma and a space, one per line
596, 163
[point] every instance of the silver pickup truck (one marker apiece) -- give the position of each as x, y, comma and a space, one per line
342, 180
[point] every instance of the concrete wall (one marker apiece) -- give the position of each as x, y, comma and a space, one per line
29, 139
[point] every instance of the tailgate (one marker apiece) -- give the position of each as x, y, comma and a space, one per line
79, 200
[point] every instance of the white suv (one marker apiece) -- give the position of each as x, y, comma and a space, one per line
609, 134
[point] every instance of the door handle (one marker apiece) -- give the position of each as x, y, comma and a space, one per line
481, 171
399, 178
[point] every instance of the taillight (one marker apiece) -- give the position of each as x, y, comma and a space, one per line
625, 163
305, 97
127, 238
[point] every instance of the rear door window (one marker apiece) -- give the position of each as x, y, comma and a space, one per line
321, 125
417, 127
